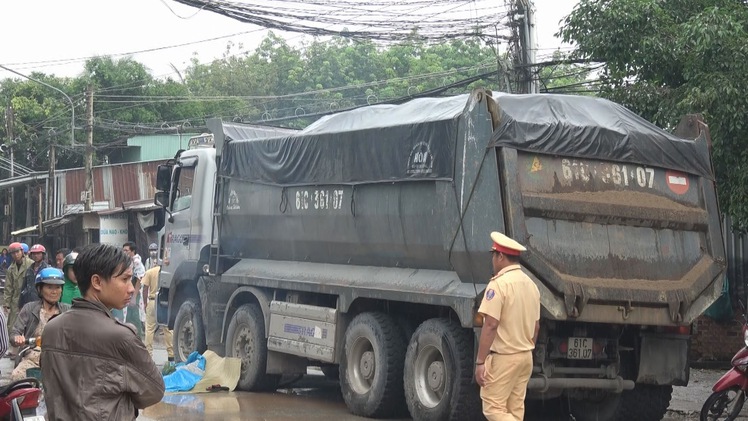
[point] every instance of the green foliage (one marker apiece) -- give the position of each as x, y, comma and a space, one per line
41, 116
567, 78
664, 59
330, 75
275, 82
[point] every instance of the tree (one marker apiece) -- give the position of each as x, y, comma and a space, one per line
564, 77
119, 107
276, 82
327, 75
42, 116
664, 59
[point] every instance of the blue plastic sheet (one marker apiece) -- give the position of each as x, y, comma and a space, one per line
187, 374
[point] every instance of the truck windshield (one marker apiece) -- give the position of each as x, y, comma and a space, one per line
183, 193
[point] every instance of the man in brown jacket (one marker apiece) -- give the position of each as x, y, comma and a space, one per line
95, 367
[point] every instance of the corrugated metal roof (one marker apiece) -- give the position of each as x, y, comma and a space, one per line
162, 146
115, 184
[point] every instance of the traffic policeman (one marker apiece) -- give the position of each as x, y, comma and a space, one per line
511, 314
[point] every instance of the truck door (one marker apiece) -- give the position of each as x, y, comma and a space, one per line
177, 247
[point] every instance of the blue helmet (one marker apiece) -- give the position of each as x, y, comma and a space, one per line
52, 276
25, 248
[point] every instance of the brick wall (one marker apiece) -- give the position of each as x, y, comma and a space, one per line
716, 341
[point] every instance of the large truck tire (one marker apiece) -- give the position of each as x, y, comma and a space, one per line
646, 402
189, 334
439, 373
245, 339
371, 367
603, 408
331, 372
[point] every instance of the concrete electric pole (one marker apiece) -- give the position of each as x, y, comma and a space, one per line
51, 199
9, 123
87, 204
524, 46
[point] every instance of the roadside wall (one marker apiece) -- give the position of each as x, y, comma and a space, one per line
716, 341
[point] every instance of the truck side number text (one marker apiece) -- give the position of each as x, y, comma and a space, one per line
620, 175
319, 199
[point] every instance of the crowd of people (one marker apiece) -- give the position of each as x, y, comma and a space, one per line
92, 307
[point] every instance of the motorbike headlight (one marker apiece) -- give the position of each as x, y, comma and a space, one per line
745, 336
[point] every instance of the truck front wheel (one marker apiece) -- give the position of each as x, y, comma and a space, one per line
371, 377
439, 373
188, 330
245, 339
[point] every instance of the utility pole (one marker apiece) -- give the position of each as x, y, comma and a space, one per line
523, 28
10, 122
51, 199
40, 212
89, 150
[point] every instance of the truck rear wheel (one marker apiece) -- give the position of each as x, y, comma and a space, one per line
188, 335
439, 373
245, 339
646, 402
602, 408
371, 377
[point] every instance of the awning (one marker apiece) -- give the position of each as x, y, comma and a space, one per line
109, 211
26, 230
59, 221
140, 205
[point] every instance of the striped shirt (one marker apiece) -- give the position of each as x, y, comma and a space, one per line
4, 341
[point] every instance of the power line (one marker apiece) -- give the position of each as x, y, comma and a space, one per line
387, 27
57, 62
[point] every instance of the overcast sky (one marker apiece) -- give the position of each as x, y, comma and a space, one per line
57, 36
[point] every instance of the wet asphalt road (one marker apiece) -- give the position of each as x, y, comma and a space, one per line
313, 398
316, 398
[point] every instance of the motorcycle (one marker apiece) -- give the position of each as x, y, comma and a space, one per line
20, 399
728, 397
23, 398
28, 345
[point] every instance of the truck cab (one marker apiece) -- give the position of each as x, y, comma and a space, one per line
186, 188
188, 183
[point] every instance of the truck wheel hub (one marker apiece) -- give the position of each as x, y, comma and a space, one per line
367, 365
435, 375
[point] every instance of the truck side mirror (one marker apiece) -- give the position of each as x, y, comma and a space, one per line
161, 199
163, 178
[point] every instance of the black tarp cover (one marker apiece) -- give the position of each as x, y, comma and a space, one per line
417, 140
589, 127
236, 131
380, 143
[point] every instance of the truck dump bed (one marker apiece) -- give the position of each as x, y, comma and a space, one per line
620, 218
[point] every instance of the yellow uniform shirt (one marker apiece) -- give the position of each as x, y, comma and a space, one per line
513, 299
150, 279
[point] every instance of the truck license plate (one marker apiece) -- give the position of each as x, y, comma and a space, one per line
579, 349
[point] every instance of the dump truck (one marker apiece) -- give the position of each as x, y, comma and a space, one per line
361, 245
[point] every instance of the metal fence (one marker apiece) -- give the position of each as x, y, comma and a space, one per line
736, 252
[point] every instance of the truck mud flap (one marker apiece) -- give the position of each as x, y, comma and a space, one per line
663, 360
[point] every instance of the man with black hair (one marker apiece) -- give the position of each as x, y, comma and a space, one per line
134, 313
60, 257
87, 346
